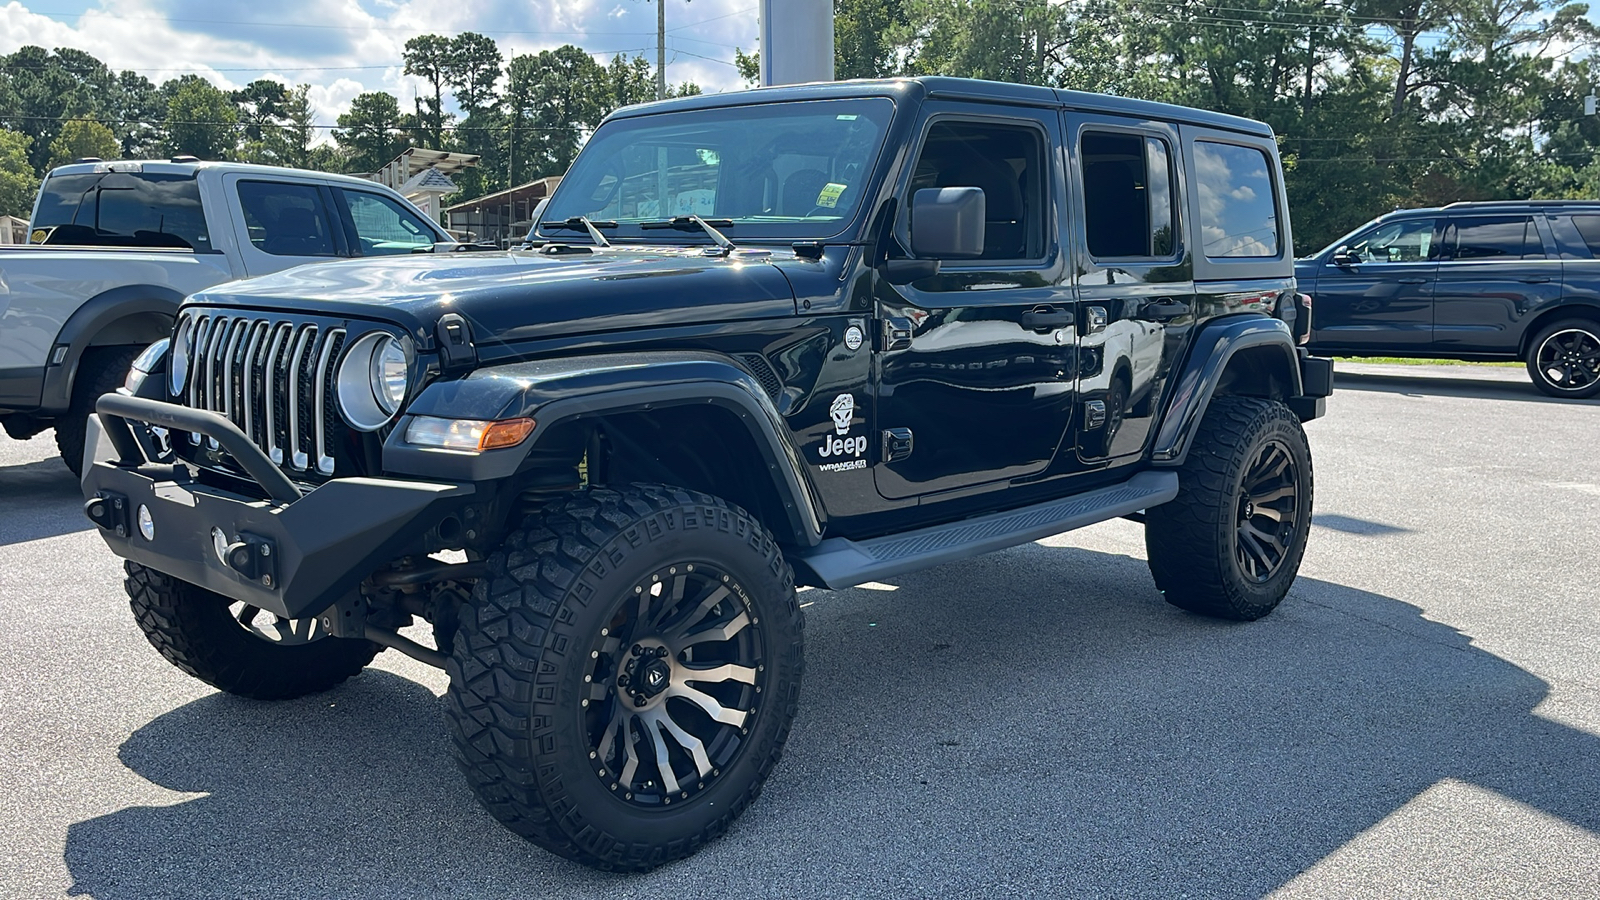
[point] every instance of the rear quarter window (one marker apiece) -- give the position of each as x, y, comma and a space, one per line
1589, 228
1238, 207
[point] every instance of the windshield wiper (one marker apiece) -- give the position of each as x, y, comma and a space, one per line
587, 224
691, 223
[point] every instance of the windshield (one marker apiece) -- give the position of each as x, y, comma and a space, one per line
121, 209
783, 170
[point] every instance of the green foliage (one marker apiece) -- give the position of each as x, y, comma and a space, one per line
81, 138
201, 120
369, 134
18, 183
749, 65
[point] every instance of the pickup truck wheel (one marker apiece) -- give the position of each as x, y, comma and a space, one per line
101, 371
239, 648
1564, 359
626, 674
1230, 544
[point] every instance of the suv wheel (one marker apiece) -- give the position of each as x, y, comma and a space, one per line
1564, 359
236, 647
626, 675
1230, 544
101, 371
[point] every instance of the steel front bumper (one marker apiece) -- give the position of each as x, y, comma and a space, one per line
293, 555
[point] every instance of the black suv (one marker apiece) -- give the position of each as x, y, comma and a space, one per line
817, 335
1472, 281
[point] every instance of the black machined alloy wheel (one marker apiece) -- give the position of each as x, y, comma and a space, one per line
674, 681
1268, 512
1564, 359
1229, 545
239, 648
626, 674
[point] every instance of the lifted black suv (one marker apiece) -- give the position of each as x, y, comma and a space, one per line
814, 335
1513, 280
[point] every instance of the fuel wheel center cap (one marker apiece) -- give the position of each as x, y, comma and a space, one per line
655, 678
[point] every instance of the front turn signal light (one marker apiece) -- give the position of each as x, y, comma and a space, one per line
469, 435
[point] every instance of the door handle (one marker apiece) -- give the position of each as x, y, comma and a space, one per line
1045, 318
1536, 279
1162, 309
1413, 280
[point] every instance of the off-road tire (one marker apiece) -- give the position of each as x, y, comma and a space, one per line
1586, 370
1192, 541
194, 629
518, 670
101, 371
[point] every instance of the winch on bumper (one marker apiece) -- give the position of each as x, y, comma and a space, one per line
292, 555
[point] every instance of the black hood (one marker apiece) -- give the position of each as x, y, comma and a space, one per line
522, 296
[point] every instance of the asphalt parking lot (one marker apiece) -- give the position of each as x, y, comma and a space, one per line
1420, 718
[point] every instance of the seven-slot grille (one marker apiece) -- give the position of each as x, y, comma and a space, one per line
273, 378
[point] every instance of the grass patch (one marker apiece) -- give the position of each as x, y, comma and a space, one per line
1408, 361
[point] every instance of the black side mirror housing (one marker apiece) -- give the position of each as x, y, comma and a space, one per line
1343, 257
947, 223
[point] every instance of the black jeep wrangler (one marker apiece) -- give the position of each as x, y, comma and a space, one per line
813, 335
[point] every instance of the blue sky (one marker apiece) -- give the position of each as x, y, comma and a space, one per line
345, 47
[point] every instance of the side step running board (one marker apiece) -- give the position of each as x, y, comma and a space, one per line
838, 563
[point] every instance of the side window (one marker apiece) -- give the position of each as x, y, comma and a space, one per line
384, 227
1127, 192
1589, 228
1396, 242
1007, 162
1238, 210
1496, 237
286, 219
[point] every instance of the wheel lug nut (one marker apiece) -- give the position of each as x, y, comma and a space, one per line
638, 701
622, 680
636, 650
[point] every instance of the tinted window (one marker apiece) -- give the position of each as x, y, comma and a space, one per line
1589, 228
384, 227
1007, 162
1127, 195
286, 219
1238, 211
122, 209
785, 170
1496, 237
1395, 242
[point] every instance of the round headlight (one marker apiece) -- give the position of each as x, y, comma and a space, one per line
178, 364
389, 375
371, 383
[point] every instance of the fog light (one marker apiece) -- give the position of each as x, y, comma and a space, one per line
219, 545
147, 525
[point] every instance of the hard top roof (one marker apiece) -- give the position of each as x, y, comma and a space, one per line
941, 87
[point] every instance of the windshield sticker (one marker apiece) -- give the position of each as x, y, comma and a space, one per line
829, 197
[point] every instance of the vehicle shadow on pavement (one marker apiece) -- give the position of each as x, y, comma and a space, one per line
1035, 721
1440, 386
39, 499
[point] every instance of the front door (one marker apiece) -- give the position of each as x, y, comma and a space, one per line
284, 224
976, 365
1135, 277
1384, 297
1494, 270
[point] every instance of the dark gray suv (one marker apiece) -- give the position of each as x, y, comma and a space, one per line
1472, 281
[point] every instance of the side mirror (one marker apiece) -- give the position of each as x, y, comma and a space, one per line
1343, 257
947, 223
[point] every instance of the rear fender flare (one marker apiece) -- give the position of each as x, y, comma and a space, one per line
1214, 346
556, 392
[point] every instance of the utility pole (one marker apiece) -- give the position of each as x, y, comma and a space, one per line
661, 49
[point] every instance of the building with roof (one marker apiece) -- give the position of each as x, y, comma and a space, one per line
423, 176
502, 218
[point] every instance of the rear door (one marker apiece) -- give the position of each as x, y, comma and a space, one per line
1384, 299
1494, 271
1135, 278
281, 224
975, 365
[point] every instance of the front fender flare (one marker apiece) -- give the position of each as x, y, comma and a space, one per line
1213, 347
553, 392
138, 303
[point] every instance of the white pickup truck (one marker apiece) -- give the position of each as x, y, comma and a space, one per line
114, 247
